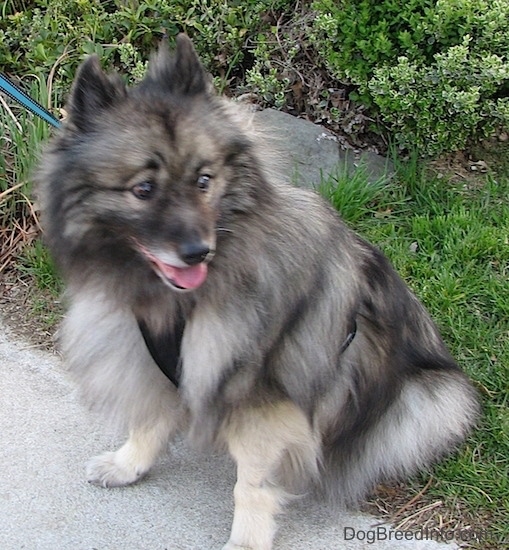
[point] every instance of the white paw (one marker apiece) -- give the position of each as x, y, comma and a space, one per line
109, 470
232, 546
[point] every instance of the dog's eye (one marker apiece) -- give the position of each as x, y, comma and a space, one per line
143, 190
203, 182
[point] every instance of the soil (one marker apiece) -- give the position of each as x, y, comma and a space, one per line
31, 313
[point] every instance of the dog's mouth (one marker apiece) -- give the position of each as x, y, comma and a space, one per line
182, 277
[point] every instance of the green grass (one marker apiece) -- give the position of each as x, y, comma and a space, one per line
21, 137
36, 263
350, 193
450, 242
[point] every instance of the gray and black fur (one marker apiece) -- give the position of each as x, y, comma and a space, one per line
167, 178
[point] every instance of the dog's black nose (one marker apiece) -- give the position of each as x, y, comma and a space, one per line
193, 253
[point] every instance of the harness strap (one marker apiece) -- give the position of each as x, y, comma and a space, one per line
349, 338
165, 349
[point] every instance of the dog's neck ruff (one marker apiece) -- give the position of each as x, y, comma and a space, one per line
165, 349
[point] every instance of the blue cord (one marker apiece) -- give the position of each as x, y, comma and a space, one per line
21, 97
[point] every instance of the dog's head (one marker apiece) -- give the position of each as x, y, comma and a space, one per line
144, 176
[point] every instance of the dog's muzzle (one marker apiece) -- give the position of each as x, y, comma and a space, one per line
183, 270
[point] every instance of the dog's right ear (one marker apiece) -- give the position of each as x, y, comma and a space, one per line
180, 73
91, 93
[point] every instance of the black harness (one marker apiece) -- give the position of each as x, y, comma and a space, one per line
165, 348
349, 338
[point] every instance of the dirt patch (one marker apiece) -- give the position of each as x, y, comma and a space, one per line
410, 507
30, 313
471, 167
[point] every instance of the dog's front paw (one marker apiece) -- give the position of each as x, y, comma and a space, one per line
110, 470
232, 546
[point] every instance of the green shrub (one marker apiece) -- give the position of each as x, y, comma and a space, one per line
265, 76
55, 35
42, 35
433, 71
438, 107
437, 72
355, 36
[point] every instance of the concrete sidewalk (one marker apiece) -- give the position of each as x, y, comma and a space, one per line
184, 504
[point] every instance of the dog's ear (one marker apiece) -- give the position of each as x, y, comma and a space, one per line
179, 73
92, 92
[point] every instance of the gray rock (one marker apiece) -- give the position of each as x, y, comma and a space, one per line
313, 153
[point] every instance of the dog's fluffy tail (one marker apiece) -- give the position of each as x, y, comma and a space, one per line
432, 414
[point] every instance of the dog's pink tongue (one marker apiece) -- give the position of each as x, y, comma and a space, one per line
185, 277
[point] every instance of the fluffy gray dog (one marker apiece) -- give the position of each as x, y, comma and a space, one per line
210, 297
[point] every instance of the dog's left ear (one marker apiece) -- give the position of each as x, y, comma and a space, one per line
181, 73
